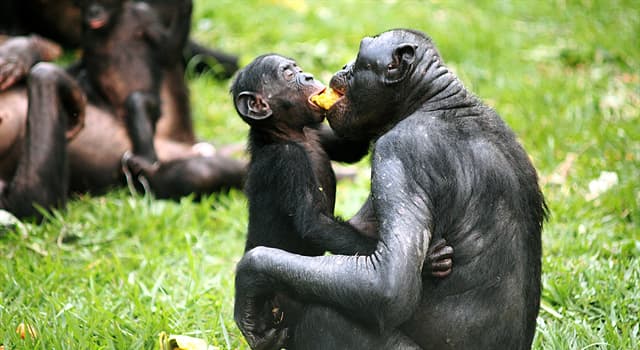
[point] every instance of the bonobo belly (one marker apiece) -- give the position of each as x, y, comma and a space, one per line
95, 153
487, 316
13, 113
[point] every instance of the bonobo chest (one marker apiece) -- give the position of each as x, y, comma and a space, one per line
321, 165
122, 63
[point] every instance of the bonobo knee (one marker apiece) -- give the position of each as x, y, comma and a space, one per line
45, 73
144, 100
139, 100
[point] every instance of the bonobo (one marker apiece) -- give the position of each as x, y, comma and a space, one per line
444, 165
291, 185
94, 155
126, 50
61, 20
125, 41
33, 159
122, 63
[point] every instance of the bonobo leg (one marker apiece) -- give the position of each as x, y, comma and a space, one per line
323, 328
203, 59
55, 114
195, 175
143, 111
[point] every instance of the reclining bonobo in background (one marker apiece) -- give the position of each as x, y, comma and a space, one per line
122, 112
444, 166
61, 21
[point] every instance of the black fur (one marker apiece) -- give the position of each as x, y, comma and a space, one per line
291, 185
444, 165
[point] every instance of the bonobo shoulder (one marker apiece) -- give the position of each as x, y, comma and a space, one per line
420, 130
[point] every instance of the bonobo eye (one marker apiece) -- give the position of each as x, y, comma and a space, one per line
288, 73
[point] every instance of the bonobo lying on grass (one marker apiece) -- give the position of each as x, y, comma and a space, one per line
114, 124
290, 184
444, 165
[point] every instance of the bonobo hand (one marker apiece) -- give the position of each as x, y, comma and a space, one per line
253, 311
256, 321
439, 260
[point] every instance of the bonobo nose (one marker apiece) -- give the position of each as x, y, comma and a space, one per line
94, 11
307, 76
347, 66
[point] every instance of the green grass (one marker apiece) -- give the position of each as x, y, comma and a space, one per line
111, 272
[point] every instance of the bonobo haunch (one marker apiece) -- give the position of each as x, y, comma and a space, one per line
444, 165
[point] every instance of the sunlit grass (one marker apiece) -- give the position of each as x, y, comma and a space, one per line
111, 272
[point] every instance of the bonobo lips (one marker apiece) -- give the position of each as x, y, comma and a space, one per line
316, 93
325, 99
97, 23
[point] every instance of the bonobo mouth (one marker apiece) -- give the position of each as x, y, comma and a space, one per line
325, 98
98, 22
313, 95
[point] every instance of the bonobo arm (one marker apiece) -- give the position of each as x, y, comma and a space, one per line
341, 149
439, 261
383, 288
203, 59
312, 213
172, 38
366, 220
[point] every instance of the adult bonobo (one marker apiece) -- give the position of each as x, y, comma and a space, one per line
444, 165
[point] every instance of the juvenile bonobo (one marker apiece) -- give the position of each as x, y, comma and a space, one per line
128, 47
126, 50
33, 159
444, 165
290, 184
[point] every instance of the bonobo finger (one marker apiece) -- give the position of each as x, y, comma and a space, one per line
9, 74
440, 274
442, 265
445, 252
439, 243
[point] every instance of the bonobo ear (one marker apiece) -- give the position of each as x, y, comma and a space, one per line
401, 60
253, 106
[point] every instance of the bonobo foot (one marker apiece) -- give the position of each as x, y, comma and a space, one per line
137, 170
19, 54
439, 259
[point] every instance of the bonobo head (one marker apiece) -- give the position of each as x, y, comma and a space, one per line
273, 94
99, 15
390, 78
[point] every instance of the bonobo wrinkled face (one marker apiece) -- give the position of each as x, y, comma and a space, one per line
374, 86
98, 15
273, 90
